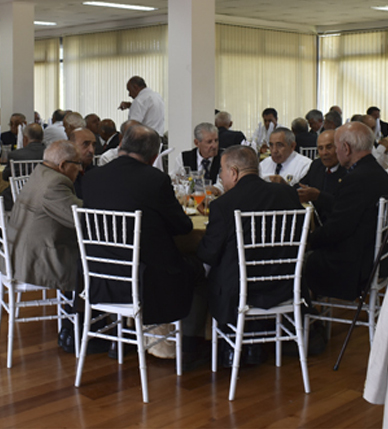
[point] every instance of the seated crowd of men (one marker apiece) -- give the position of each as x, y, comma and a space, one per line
343, 184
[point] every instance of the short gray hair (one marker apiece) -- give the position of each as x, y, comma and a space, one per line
223, 119
204, 126
299, 125
315, 114
75, 120
59, 151
242, 157
141, 140
358, 135
334, 117
289, 136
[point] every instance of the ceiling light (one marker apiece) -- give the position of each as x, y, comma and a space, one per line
118, 5
385, 8
44, 23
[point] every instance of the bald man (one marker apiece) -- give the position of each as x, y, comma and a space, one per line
108, 132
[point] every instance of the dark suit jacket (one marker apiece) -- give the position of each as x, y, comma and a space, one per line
34, 150
317, 177
218, 247
307, 139
343, 247
190, 160
229, 138
8, 138
126, 184
384, 128
113, 143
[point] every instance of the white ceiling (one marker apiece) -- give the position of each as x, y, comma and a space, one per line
317, 16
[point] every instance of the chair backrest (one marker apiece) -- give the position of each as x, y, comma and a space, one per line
16, 184
381, 231
271, 247
310, 152
5, 264
23, 168
98, 233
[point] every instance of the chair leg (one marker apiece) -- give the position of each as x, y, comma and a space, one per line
236, 355
301, 348
76, 334
178, 347
18, 299
278, 343
1, 298
11, 325
120, 345
214, 345
84, 345
141, 354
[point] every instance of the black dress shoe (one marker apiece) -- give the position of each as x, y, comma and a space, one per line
62, 336
68, 344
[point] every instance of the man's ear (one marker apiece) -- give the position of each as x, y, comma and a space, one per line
348, 149
196, 142
61, 166
293, 145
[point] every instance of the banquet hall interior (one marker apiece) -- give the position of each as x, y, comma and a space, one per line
239, 56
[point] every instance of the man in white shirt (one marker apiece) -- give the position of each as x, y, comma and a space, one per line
147, 107
284, 161
55, 131
263, 132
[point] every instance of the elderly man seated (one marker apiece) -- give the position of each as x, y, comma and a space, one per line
245, 191
227, 137
323, 177
41, 230
343, 247
284, 161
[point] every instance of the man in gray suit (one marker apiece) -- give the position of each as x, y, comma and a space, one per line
41, 230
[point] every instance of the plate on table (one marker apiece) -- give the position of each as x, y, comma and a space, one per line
190, 211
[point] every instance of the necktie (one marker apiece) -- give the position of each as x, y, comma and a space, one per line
278, 168
328, 171
205, 163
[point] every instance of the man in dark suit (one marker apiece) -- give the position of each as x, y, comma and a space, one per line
383, 126
205, 156
9, 138
246, 191
33, 148
315, 120
343, 247
92, 123
323, 178
303, 138
226, 136
108, 132
130, 183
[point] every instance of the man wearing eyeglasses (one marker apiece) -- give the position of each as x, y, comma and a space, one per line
41, 229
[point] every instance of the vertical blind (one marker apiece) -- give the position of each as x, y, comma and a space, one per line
353, 72
46, 76
255, 69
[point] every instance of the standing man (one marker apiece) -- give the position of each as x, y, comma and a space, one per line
147, 107
343, 247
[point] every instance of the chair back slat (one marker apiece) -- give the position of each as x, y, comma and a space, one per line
102, 230
23, 168
310, 152
4, 249
16, 185
286, 229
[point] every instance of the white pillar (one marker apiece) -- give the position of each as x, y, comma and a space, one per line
17, 60
191, 70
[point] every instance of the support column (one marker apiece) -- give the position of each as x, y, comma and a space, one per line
17, 60
191, 70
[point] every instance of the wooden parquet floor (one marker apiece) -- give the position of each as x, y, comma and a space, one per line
38, 392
